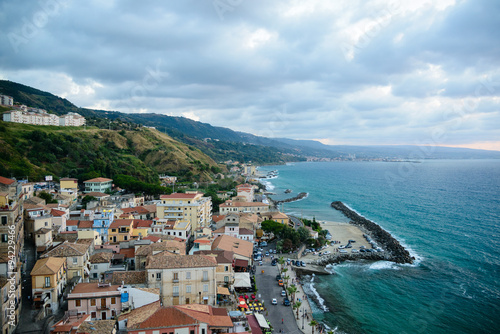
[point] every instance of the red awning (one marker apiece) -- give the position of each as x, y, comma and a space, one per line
254, 324
241, 263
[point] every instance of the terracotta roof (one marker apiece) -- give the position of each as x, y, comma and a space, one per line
97, 194
167, 245
166, 317
93, 288
220, 230
129, 253
230, 204
67, 249
153, 238
140, 314
179, 196
101, 257
97, 327
47, 266
71, 222
202, 240
85, 224
217, 218
213, 316
56, 205
221, 256
238, 246
245, 231
6, 181
141, 223
57, 213
98, 179
120, 222
161, 261
128, 277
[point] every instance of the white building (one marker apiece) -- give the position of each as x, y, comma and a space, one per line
41, 117
6, 100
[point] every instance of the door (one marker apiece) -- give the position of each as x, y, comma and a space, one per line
103, 315
103, 303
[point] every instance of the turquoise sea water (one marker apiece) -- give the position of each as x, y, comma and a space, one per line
446, 212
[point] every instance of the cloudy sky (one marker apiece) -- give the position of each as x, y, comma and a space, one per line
342, 72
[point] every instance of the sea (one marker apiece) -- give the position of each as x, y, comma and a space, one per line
445, 212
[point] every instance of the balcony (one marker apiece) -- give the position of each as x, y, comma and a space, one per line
173, 211
175, 294
101, 307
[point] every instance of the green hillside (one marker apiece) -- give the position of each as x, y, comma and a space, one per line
36, 151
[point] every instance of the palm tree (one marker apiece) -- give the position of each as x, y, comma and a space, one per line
297, 305
281, 261
285, 280
313, 324
291, 290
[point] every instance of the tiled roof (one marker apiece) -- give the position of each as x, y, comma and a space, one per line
217, 218
6, 181
141, 223
97, 194
213, 316
221, 256
167, 245
166, 317
161, 261
153, 238
101, 257
129, 253
246, 231
85, 224
120, 223
230, 204
98, 179
67, 249
57, 213
178, 196
140, 314
128, 277
97, 327
238, 246
93, 288
71, 222
47, 266
220, 230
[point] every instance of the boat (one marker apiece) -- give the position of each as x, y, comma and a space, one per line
288, 191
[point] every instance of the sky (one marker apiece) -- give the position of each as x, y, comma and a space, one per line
341, 72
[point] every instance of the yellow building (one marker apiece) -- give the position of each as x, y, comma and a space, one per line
68, 184
48, 279
120, 230
278, 217
194, 208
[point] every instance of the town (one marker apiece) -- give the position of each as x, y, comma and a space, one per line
119, 263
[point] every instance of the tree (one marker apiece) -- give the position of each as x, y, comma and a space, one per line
88, 199
47, 197
313, 324
297, 306
303, 233
292, 289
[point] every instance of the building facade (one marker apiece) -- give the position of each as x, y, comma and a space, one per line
194, 208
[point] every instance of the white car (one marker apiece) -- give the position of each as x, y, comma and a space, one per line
283, 293
274, 301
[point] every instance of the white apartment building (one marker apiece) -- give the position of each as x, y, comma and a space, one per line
194, 208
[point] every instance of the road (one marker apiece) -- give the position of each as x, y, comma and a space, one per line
268, 289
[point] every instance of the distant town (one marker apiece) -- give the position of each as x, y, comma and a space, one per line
29, 115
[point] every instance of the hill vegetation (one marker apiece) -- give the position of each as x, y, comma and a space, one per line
142, 153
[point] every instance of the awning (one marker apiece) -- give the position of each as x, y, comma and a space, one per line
242, 280
254, 325
223, 291
261, 320
241, 263
242, 303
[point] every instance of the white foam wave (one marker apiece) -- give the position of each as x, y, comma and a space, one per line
320, 300
379, 265
269, 186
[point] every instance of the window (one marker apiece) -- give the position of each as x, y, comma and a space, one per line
4, 220
93, 315
205, 275
5, 238
176, 291
191, 331
78, 303
95, 275
47, 281
92, 302
226, 268
226, 279
188, 275
188, 288
125, 238
46, 223
158, 276
205, 287
95, 266
176, 277
203, 331
113, 300
75, 260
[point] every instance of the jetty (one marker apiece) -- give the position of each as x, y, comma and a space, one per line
393, 251
288, 200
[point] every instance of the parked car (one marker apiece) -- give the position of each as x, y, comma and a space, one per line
274, 301
302, 264
283, 293
278, 277
286, 302
280, 282
263, 244
260, 263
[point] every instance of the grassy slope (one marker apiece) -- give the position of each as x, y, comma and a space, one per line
35, 151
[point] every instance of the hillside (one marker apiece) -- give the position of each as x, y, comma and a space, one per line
36, 151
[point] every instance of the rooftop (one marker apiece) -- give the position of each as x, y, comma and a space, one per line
161, 261
48, 266
93, 288
98, 179
67, 249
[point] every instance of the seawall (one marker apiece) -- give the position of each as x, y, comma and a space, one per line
288, 200
393, 251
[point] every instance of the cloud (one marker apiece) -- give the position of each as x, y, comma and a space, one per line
359, 72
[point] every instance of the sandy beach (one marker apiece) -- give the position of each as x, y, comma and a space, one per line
342, 232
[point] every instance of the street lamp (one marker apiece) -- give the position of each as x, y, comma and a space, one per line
303, 316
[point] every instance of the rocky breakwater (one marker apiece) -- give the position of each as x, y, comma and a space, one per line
393, 249
288, 200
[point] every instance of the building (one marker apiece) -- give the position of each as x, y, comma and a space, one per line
99, 184
191, 207
77, 256
10, 299
242, 249
224, 272
278, 217
230, 206
101, 300
41, 117
193, 318
120, 230
183, 279
48, 279
101, 221
6, 100
143, 252
99, 264
248, 170
74, 323
177, 228
245, 191
71, 119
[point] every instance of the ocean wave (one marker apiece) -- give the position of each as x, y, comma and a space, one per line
379, 265
319, 300
269, 186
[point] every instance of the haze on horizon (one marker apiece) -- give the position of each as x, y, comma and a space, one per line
341, 72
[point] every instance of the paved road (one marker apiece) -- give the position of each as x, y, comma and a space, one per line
268, 289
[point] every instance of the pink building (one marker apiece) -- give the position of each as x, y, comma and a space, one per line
101, 300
